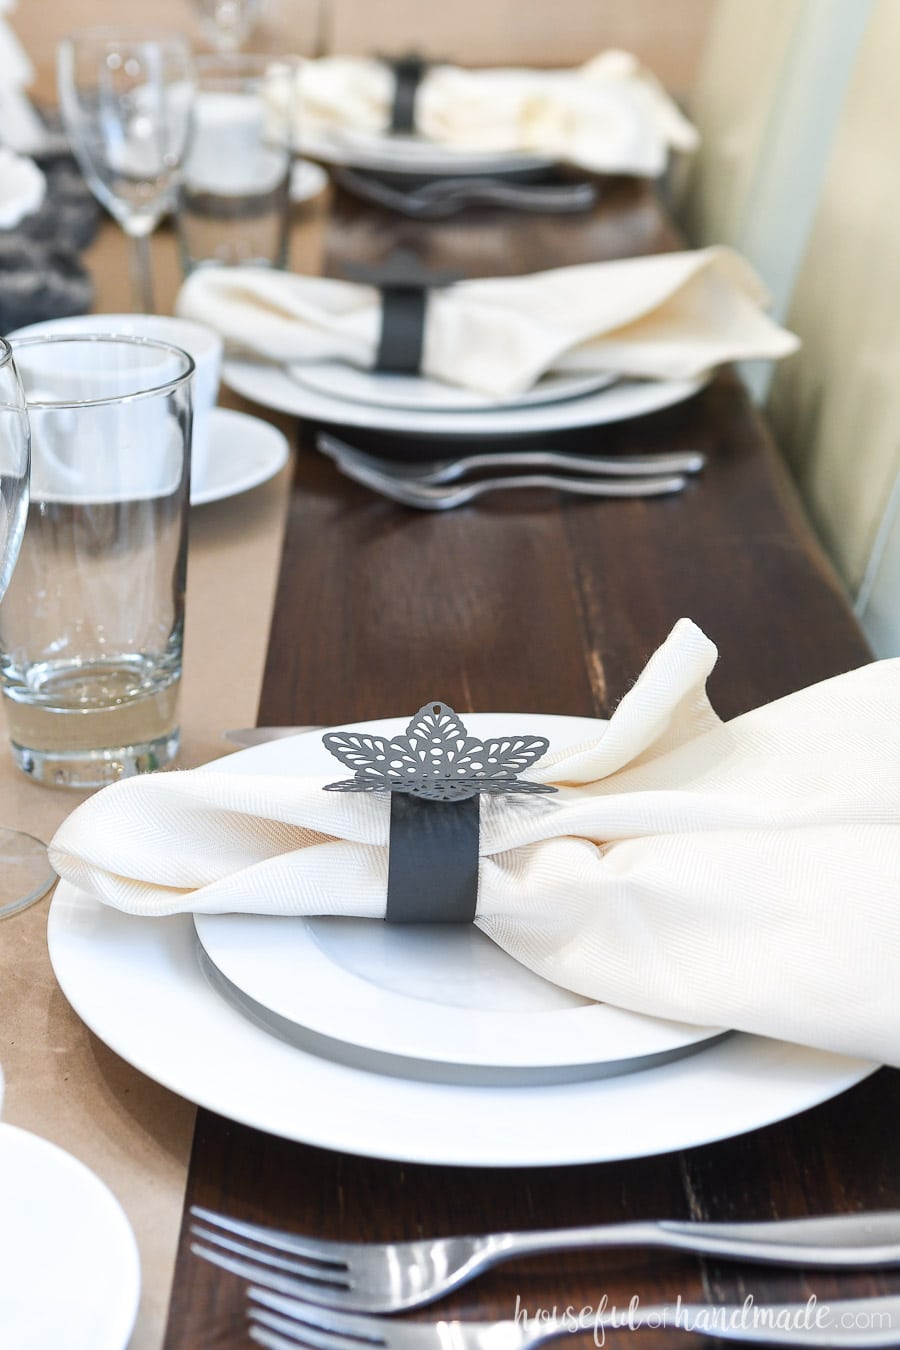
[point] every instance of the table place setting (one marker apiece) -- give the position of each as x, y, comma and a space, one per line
407, 116
656, 881
405, 351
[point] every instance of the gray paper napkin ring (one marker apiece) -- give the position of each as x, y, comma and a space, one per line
408, 72
435, 773
404, 286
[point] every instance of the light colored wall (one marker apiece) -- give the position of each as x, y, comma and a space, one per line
835, 406
767, 101
666, 34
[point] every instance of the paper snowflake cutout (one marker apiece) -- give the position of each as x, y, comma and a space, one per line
436, 759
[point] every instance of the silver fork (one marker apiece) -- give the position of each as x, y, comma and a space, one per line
395, 1276
447, 196
281, 1324
427, 498
442, 471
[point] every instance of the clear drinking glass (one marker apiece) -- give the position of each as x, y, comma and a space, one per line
25, 873
227, 24
92, 625
234, 193
126, 96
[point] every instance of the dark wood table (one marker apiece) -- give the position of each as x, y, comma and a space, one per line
540, 603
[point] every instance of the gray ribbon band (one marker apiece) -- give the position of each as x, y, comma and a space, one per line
402, 329
433, 860
408, 73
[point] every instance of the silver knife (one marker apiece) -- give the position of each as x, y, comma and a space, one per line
245, 736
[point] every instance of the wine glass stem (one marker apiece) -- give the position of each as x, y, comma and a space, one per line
142, 273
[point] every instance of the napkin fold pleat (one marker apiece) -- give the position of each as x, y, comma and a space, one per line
666, 316
608, 116
742, 874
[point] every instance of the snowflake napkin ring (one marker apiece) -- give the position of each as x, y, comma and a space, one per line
435, 774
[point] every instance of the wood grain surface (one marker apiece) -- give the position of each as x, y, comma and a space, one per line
537, 603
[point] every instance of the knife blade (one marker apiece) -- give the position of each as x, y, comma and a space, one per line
245, 736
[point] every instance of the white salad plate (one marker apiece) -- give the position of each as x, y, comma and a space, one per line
243, 452
335, 379
69, 1267
144, 987
274, 387
436, 1001
397, 154
437, 994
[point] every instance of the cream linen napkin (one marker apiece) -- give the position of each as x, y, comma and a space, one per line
742, 874
667, 316
608, 116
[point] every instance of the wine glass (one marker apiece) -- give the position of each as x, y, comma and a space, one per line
227, 24
126, 97
25, 872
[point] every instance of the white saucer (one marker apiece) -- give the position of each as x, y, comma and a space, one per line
69, 1267
307, 180
244, 451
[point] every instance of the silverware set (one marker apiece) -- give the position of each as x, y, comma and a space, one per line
436, 486
309, 1291
442, 197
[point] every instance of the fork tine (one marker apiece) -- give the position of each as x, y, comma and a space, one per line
301, 1332
325, 1327
323, 1274
252, 1270
313, 1249
270, 1340
355, 1328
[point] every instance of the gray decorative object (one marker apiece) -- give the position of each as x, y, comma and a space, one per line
39, 281
436, 759
70, 215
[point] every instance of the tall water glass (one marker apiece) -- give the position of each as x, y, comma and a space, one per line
91, 630
25, 873
126, 95
234, 193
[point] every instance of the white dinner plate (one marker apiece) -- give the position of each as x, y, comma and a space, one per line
243, 452
140, 985
412, 155
335, 379
69, 1266
443, 995
274, 388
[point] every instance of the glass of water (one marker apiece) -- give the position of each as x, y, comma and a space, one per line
234, 193
25, 873
92, 624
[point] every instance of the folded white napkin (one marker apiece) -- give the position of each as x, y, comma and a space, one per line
741, 874
667, 316
608, 116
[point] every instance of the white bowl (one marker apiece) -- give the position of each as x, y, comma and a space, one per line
200, 342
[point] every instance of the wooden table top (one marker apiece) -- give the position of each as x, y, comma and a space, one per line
541, 603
